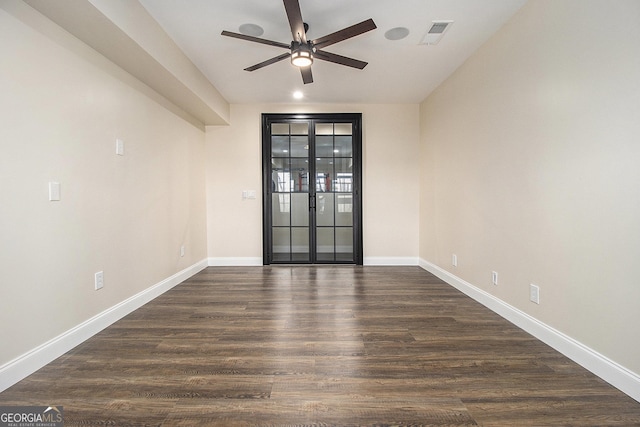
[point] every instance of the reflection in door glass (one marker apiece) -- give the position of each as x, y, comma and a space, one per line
324, 146
300, 244
325, 210
344, 244
325, 245
300, 210
324, 174
299, 175
343, 146
280, 209
299, 146
281, 245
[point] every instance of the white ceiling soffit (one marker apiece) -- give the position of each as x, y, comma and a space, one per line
127, 35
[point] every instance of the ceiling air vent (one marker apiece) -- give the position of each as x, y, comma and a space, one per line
435, 33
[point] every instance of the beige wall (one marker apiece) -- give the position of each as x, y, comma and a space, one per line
390, 187
124, 215
531, 155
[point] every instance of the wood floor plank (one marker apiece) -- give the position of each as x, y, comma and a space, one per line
319, 346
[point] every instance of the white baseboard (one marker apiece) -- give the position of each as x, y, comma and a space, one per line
235, 261
257, 261
371, 260
26, 364
605, 368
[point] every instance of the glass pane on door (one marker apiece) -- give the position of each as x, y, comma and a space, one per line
281, 245
300, 244
325, 244
324, 145
344, 210
289, 162
344, 244
300, 210
334, 192
280, 210
325, 210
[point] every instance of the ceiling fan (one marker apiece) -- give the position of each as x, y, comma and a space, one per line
302, 51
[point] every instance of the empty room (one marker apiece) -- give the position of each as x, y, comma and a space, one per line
320, 213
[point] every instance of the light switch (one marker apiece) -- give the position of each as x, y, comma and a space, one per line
99, 280
54, 191
119, 147
248, 194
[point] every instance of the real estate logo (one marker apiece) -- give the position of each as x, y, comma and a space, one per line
31, 416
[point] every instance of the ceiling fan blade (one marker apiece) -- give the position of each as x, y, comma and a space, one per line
295, 20
345, 33
255, 39
268, 62
339, 59
307, 77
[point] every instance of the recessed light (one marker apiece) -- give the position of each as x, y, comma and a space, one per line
298, 94
251, 30
396, 33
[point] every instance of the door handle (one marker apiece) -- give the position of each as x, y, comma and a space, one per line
312, 201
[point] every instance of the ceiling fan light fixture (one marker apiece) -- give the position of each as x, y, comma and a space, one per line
301, 55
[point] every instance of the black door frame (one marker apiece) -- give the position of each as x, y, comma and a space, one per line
356, 120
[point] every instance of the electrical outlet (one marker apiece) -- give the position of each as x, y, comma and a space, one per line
494, 277
534, 293
182, 250
454, 260
99, 280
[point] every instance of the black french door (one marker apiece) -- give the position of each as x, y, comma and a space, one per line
312, 181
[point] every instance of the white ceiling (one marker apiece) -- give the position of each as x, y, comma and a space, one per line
402, 71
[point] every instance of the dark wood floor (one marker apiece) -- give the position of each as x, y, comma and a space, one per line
320, 346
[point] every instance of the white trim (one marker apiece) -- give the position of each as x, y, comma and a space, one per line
605, 368
235, 262
26, 364
257, 261
370, 260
